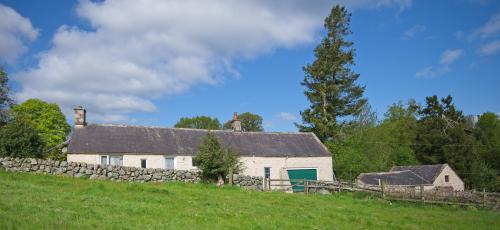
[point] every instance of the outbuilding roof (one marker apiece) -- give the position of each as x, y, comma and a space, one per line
404, 175
93, 139
428, 172
393, 178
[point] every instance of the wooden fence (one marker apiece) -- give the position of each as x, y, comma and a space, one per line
394, 193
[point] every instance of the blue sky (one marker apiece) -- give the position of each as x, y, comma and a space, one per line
150, 64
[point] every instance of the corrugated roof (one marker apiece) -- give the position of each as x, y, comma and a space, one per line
156, 140
393, 178
428, 172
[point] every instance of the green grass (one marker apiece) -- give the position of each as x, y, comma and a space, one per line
29, 201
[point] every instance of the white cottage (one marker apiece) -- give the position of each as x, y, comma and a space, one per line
266, 154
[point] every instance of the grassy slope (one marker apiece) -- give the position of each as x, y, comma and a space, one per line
40, 201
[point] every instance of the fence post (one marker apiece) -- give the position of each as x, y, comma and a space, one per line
269, 183
306, 186
422, 193
382, 186
484, 197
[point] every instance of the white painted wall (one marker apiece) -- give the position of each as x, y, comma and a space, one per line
134, 160
252, 166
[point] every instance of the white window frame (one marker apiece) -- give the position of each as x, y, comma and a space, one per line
270, 171
108, 159
165, 161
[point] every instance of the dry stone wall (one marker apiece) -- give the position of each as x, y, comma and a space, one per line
115, 173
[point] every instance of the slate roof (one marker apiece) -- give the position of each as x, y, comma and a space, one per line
428, 172
393, 178
404, 175
93, 139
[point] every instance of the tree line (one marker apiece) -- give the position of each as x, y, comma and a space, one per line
33, 128
435, 132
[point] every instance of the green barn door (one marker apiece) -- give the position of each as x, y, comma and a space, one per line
300, 174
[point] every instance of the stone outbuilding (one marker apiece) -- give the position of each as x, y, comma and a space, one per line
267, 154
439, 176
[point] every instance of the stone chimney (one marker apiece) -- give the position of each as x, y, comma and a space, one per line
236, 124
80, 117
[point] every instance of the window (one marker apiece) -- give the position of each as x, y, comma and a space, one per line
144, 163
116, 160
267, 172
446, 178
112, 160
104, 160
169, 162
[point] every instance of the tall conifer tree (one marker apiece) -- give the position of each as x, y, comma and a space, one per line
330, 84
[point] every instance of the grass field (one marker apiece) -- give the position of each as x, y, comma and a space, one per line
29, 201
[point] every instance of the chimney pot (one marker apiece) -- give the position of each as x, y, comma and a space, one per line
236, 124
80, 117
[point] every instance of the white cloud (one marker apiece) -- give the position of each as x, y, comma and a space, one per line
15, 31
287, 116
450, 56
138, 51
410, 33
490, 48
491, 28
447, 58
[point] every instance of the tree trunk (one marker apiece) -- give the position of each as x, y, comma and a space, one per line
220, 180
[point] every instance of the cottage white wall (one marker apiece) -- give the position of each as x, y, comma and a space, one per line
454, 179
134, 160
86, 158
254, 166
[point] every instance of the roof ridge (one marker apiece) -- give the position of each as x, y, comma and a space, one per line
384, 173
201, 130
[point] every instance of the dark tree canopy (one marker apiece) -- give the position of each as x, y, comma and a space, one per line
6, 101
215, 161
250, 122
19, 138
49, 122
199, 122
330, 84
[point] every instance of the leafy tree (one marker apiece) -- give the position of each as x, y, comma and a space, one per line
215, 161
49, 122
199, 122
487, 131
19, 138
398, 131
5, 101
330, 83
365, 145
352, 150
250, 122
444, 137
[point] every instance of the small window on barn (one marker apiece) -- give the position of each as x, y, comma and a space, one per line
267, 172
104, 160
144, 163
446, 178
